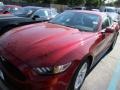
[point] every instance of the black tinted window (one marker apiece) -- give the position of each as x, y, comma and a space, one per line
110, 19
106, 23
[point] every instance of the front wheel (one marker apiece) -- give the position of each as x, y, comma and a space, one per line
79, 77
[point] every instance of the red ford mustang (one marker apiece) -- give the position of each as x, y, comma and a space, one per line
56, 55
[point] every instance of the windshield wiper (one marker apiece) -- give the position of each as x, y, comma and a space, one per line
71, 26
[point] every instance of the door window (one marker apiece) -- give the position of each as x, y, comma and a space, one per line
106, 23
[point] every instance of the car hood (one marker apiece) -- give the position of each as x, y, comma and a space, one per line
40, 41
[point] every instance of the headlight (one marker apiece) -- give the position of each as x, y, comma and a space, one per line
52, 70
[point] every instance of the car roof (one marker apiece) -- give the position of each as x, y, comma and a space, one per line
39, 8
109, 7
47, 9
32, 7
11, 6
36, 7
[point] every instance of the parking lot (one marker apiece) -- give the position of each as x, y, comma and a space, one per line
105, 76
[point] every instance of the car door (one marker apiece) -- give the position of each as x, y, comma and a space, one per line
108, 23
104, 38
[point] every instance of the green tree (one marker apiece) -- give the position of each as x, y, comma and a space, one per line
117, 3
31, 1
64, 2
95, 3
76, 2
38, 1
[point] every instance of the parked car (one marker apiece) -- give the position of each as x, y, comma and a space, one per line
111, 11
56, 55
118, 10
9, 9
1, 3
26, 15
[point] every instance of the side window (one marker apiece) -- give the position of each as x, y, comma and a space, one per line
40, 13
106, 23
14, 9
110, 19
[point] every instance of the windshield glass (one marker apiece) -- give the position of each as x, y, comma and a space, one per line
79, 20
24, 12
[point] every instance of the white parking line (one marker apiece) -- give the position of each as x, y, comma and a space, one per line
115, 78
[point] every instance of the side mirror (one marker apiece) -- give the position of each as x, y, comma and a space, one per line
109, 30
35, 17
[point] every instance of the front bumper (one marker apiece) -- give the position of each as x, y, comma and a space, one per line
46, 82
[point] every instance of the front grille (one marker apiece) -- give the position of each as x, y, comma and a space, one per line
11, 69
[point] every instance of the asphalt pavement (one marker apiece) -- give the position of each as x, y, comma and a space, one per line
105, 76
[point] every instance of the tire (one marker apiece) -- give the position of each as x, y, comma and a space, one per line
76, 81
114, 42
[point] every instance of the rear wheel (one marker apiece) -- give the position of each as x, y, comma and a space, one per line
79, 76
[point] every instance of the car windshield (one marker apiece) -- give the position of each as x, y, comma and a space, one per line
78, 20
25, 12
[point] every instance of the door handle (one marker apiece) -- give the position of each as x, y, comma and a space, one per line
103, 33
